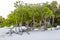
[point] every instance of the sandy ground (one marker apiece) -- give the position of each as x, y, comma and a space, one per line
34, 35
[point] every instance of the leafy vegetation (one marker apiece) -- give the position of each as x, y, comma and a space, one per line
32, 15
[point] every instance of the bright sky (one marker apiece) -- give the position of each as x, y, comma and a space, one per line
6, 6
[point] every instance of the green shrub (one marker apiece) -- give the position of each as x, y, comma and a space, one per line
48, 26
38, 25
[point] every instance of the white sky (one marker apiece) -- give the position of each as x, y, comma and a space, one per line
8, 5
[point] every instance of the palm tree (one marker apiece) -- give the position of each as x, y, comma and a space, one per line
45, 12
53, 6
33, 14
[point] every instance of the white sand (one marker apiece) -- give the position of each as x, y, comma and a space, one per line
37, 35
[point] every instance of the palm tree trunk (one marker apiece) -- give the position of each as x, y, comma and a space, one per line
33, 21
21, 20
53, 20
45, 24
27, 24
40, 23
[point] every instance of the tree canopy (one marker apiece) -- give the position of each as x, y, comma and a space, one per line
30, 13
